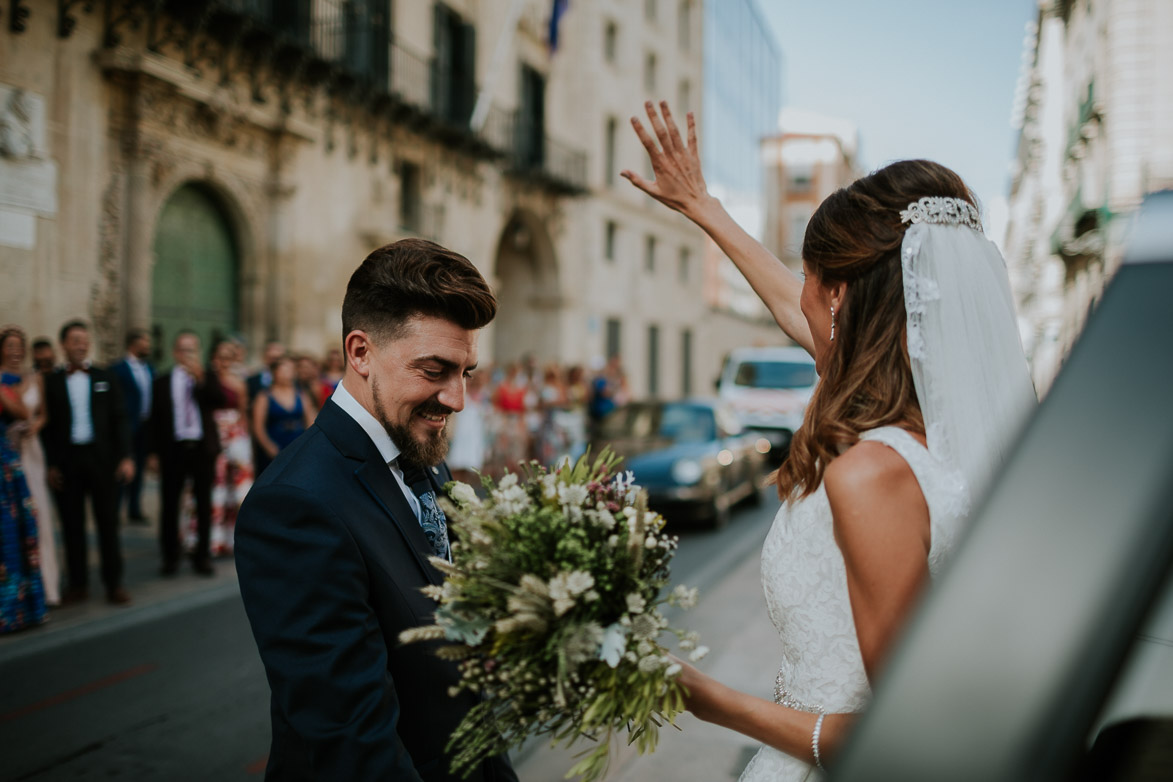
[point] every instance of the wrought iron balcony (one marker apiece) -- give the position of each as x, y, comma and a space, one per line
532, 155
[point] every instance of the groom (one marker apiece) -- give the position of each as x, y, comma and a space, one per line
332, 543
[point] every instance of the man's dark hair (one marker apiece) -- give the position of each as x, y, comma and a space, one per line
134, 335
70, 326
42, 342
415, 277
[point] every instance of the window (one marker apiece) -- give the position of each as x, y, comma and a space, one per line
609, 152
650, 254
684, 25
614, 337
454, 66
653, 360
531, 118
684, 264
609, 240
650, 73
410, 197
684, 98
686, 362
610, 42
650, 10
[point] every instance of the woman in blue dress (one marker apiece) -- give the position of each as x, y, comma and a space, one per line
22, 597
280, 413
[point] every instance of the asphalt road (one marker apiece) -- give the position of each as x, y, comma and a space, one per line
183, 695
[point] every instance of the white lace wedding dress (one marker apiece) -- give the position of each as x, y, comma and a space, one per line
804, 578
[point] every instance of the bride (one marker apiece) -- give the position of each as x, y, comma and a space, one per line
906, 308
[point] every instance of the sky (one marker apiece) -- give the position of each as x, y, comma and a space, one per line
920, 78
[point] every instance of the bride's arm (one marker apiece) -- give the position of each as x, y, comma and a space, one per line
881, 524
680, 185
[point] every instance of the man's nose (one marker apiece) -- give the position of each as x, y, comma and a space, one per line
452, 394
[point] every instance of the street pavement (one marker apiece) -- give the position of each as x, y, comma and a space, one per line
171, 686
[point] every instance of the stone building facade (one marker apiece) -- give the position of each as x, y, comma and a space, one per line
1095, 112
224, 166
810, 158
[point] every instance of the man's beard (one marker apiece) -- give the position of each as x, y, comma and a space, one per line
432, 450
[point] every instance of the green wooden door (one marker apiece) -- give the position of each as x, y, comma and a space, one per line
194, 283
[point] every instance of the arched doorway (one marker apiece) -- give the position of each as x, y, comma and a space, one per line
195, 281
528, 297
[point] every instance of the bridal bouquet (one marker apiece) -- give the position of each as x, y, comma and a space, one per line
551, 606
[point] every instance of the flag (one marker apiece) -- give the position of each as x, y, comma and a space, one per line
556, 10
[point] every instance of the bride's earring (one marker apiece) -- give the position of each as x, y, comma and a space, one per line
832, 324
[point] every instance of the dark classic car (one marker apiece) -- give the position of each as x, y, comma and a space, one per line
691, 456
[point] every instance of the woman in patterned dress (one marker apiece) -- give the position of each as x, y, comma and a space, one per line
22, 597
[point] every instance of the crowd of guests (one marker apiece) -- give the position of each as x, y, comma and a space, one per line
73, 432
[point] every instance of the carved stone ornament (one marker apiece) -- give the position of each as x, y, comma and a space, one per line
16, 127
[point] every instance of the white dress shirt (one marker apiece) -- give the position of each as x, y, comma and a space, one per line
387, 448
82, 428
142, 379
184, 410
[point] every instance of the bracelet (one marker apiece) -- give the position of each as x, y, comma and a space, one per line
815, 741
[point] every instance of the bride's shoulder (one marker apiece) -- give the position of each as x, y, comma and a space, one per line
870, 476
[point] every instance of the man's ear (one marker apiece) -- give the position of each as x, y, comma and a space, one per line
358, 348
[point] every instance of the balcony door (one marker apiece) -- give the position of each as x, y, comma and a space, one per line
454, 66
531, 120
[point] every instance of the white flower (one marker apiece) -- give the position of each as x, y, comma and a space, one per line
650, 542
672, 670
591, 596
613, 541
508, 482
651, 663
698, 654
685, 597
645, 626
550, 486
603, 517
464, 494
572, 494
688, 642
636, 603
579, 581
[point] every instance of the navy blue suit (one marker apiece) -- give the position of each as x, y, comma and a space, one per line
331, 561
132, 395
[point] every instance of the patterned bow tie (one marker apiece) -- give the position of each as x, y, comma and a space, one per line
432, 519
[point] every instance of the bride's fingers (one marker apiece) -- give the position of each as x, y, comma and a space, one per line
658, 126
673, 131
640, 182
646, 139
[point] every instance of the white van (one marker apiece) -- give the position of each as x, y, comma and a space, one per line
768, 389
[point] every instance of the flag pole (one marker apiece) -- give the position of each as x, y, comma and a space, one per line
480, 111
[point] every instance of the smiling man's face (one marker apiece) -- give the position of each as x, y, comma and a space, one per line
417, 382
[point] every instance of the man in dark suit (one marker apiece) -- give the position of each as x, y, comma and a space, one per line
136, 376
184, 437
333, 540
87, 451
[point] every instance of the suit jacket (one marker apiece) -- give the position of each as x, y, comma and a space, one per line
161, 434
331, 561
107, 412
131, 394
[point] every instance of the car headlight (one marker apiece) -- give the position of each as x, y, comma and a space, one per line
686, 472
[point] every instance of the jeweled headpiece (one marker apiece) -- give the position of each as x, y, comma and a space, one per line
942, 210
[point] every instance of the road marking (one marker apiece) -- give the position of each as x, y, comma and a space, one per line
85, 689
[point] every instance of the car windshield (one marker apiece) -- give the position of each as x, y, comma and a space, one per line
775, 374
680, 423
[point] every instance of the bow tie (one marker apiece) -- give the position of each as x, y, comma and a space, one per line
83, 368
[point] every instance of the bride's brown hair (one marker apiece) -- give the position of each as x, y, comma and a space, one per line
854, 237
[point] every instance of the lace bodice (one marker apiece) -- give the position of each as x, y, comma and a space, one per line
805, 583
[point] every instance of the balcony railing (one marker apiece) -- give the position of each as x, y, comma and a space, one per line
533, 155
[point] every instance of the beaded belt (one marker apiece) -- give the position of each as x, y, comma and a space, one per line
783, 698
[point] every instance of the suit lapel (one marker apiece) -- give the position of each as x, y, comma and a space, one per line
377, 479
374, 476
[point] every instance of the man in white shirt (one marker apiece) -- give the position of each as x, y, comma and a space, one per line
183, 434
87, 452
136, 376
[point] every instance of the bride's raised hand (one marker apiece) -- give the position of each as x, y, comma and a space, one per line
679, 183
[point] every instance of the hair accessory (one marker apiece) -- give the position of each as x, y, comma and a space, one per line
942, 210
815, 741
832, 324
